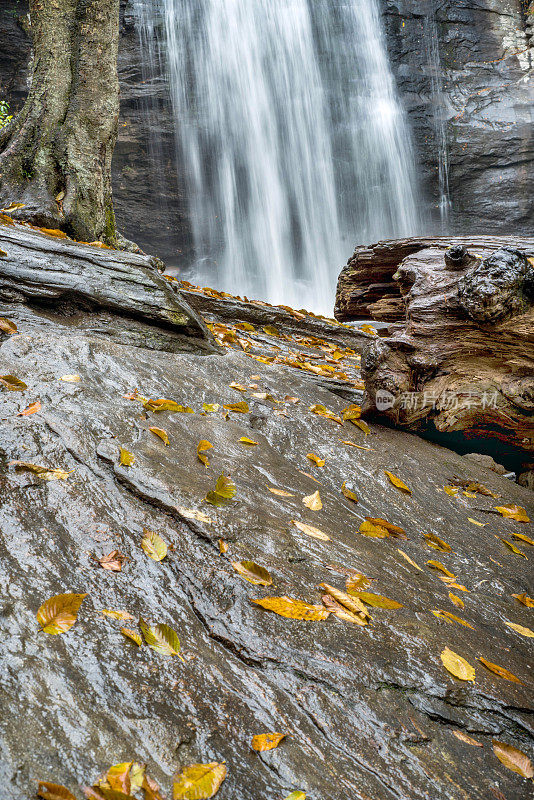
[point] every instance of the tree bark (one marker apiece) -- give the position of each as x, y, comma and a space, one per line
56, 154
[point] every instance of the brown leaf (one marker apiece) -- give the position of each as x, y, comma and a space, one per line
463, 737
266, 741
456, 600
513, 759
58, 614
253, 573
525, 599
313, 501
309, 530
53, 791
203, 445
500, 671
393, 530
350, 602
113, 561
513, 512
343, 613
436, 543
293, 609
397, 482
7, 326
12, 383
347, 492
31, 409
357, 582
44, 473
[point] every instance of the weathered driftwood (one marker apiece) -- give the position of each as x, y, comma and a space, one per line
463, 356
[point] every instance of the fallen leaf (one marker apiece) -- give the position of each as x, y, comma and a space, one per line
210, 408
54, 232
369, 330
520, 629
266, 741
397, 482
441, 568
451, 582
203, 445
313, 501
52, 791
70, 378
137, 777
356, 582
241, 408
132, 636
476, 522
363, 426
359, 446
192, 513
513, 759
126, 458
31, 409
374, 531
58, 614
342, 613
463, 737
118, 777
223, 547
452, 491
224, 491
280, 492
393, 530
350, 602
347, 492
513, 512
198, 781
322, 411
513, 548
409, 560
522, 538
457, 665
44, 473
456, 600
161, 433
245, 440
12, 383
162, 404
500, 671
448, 617
352, 412
316, 460
376, 600
112, 562
124, 615
525, 599
309, 530
293, 609
151, 789
253, 573
296, 796
153, 545
436, 543
239, 387
161, 638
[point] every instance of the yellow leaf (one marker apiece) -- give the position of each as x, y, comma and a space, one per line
363, 426
397, 482
162, 404
296, 796
500, 671
441, 568
525, 599
126, 458
451, 583
53, 791
513, 512
238, 386
513, 548
161, 433
7, 326
202, 446
161, 638
409, 560
58, 614
293, 609
377, 600
352, 412
456, 600
224, 491
436, 543
343, 613
241, 408
44, 473
198, 781
70, 378
347, 492
153, 545
356, 582
245, 440
463, 737
309, 530
116, 614
457, 665
522, 538
359, 446
375, 531
369, 330
319, 461
118, 777
520, 629
513, 759
476, 522
12, 383
393, 530
322, 411
351, 602
313, 501
31, 409
210, 408
253, 573
223, 547
270, 330
54, 232
448, 617
451, 490
132, 636
266, 741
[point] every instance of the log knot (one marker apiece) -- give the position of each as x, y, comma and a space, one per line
500, 287
459, 258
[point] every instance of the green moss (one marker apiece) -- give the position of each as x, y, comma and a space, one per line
110, 228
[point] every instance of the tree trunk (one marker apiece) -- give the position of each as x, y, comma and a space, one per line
56, 155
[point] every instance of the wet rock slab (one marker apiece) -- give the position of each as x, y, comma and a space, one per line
369, 711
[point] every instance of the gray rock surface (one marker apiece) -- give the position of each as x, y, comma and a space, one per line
369, 711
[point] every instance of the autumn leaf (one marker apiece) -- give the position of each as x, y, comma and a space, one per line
161, 433
441, 568
192, 513
44, 473
356, 582
151, 789
513, 512
520, 629
351, 602
452, 491
313, 501
448, 617
118, 777
223, 547
280, 492
198, 781
309, 530
253, 573
513, 759
456, 600
476, 522
266, 741
457, 665
210, 408
58, 614
397, 482
133, 636
376, 600
162, 404
161, 638
113, 561
394, 530
374, 531
342, 613
352, 412
409, 560
293, 609
53, 791
238, 387
247, 441
363, 426
7, 326
153, 545
322, 411
463, 737
348, 493
202, 446
70, 378
124, 615
126, 458
525, 599
296, 796
12, 383
436, 543
31, 409
513, 548
224, 491
241, 408
316, 459
500, 671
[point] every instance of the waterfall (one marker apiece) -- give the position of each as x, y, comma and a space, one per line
292, 143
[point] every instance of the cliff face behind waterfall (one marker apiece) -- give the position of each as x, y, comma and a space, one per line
475, 117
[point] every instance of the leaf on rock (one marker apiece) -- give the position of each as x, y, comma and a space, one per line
7, 326
58, 614
394, 530
153, 545
280, 492
124, 615
313, 501
133, 636
309, 530
352, 412
351, 602
457, 665
44, 473
452, 491
409, 560
151, 789
241, 408
456, 600
347, 492
161, 433
377, 600
137, 776
210, 408
525, 599
522, 538
266, 741
126, 458
53, 791
476, 522
359, 446
118, 777
198, 781
520, 629
202, 446
192, 513
238, 387
247, 441
12, 383
31, 409
341, 612
70, 378
374, 531
357, 582
296, 796
161, 638
363, 426
162, 404
441, 568
253, 573
436, 543
316, 459
292, 609
224, 491
500, 671
322, 411
513, 512
463, 737
513, 759
223, 547
397, 482
513, 548
448, 617
113, 561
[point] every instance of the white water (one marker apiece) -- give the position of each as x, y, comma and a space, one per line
292, 141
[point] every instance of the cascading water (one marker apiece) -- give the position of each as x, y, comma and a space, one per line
292, 142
